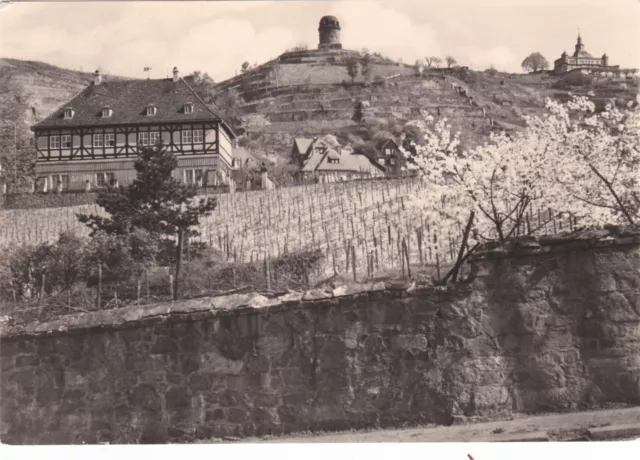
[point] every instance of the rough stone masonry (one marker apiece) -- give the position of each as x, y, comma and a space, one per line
541, 327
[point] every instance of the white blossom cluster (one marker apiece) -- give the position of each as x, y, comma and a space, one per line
572, 160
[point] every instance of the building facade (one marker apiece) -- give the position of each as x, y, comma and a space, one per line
389, 155
320, 162
93, 140
580, 59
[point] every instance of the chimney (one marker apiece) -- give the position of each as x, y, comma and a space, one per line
97, 78
176, 74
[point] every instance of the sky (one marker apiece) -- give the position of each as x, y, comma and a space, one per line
216, 37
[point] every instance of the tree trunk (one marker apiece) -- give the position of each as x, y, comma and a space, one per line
179, 250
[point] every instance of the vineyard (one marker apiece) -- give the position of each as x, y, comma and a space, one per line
362, 228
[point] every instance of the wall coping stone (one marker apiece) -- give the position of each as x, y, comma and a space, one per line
579, 240
220, 306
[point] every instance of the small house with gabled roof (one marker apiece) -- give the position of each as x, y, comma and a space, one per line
93, 140
326, 164
302, 148
389, 155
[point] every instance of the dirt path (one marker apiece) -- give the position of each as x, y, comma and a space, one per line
594, 425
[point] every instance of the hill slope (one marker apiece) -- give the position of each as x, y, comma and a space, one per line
308, 93
30, 91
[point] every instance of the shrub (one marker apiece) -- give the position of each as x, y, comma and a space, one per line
59, 266
122, 257
289, 271
492, 72
379, 80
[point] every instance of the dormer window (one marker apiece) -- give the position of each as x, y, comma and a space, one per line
188, 107
333, 160
107, 112
68, 113
151, 110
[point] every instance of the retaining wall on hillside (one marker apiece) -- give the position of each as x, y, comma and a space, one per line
543, 328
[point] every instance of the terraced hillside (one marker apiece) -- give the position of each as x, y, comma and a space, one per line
311, 93
30, 91
339, 108
524, 94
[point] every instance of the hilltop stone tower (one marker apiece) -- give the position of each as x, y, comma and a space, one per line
329, 33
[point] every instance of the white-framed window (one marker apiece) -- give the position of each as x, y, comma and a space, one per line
109, 140
143, 138
193, 176
103, 179
392, 161
65, 141
154, 137
98, 140
187, 136
59, 182
188, 107
68, 113
54, 142
152, 110
197, 136
387, 151
333, 161
107, 112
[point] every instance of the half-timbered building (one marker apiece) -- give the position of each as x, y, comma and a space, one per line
93, 140
388, 154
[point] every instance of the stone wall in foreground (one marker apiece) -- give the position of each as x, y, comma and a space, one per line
539, 328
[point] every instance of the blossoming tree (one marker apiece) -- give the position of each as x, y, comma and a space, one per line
571, 159
596, 161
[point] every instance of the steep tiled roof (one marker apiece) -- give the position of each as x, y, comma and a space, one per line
129, 100
317, 162
381, 142
302, 144
314, 160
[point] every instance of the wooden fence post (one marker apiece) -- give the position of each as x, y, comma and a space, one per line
267, 270
406, 254
99, 284
353, 255
42, 287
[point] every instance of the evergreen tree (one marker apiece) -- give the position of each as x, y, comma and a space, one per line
155, 202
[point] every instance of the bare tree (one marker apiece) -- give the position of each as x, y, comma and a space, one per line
451, 61
432, 61
535, 62
299, 47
